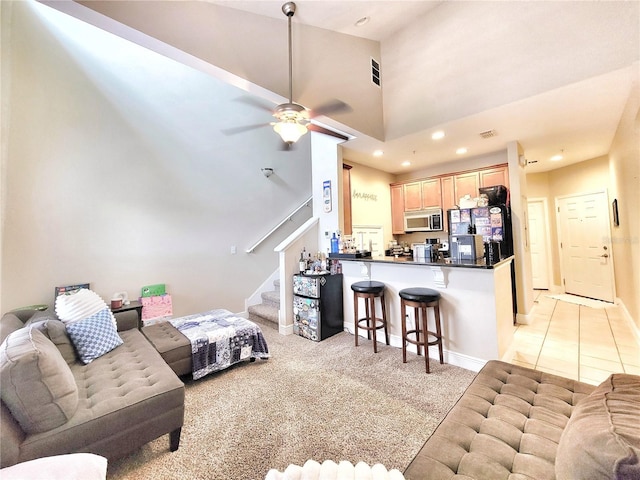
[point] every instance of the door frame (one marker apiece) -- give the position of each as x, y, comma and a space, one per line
547, 237
607, 213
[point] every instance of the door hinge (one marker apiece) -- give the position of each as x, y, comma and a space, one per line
564, 282
560, 244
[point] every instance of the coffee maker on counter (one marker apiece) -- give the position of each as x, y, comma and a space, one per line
428, 251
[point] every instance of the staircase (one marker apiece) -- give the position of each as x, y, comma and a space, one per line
267, 311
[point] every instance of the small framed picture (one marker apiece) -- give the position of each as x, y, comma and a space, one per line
616, 219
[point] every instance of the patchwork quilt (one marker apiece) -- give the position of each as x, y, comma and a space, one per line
220, 339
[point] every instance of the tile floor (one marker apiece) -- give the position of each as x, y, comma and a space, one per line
575, 341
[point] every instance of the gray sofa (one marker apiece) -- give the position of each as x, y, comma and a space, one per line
517, 423
110, 407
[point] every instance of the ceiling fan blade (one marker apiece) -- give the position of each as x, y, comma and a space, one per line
245, 128
256, 102
326, 131
333, 106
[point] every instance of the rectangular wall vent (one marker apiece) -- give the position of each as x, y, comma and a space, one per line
375, 72
488, 134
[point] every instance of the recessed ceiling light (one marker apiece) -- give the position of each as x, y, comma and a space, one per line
362, 21
406, 163
556, 158
461, 151
378, 153
437, 135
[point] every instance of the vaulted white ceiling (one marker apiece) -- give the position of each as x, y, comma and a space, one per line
553, 76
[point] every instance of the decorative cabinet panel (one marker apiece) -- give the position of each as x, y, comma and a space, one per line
397, 209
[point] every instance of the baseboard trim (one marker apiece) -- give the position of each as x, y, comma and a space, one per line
629, 319
285, 329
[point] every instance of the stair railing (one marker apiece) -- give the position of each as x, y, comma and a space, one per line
289, 217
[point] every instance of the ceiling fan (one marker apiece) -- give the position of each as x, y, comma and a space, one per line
293, 119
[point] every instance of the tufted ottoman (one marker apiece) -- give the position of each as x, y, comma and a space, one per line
517, 423
172, 346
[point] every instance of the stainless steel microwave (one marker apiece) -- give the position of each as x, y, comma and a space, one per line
428, 220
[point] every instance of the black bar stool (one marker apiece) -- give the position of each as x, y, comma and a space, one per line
420, 299
369, 291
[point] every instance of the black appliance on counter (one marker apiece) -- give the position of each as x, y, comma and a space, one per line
317, 306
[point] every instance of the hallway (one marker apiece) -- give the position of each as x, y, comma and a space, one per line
576, 341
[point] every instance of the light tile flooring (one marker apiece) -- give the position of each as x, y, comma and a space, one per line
575, 341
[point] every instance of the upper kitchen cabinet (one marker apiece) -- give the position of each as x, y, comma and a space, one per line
397, 209
466, 184
412, 196
422, 194
448, 193
431, 193
494, 176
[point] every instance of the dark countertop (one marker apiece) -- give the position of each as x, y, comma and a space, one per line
448, 262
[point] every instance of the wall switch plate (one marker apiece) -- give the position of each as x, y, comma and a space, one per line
234, 250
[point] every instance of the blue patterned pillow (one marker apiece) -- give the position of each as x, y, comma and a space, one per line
94, 336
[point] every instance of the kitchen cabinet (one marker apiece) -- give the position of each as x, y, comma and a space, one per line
494, 176
448, 194
431, 193
466, 184
412, 196
422, 194
397, 209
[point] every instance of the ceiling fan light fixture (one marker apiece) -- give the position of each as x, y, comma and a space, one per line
290, 130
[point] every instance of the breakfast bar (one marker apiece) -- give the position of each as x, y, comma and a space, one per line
476, 304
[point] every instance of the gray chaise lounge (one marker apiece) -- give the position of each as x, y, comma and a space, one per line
125, 398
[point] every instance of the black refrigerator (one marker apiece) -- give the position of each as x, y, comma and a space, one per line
492, 222
317, 306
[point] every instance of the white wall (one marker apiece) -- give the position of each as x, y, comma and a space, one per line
115, 171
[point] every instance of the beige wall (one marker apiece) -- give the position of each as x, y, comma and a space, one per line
371, 198
625, 186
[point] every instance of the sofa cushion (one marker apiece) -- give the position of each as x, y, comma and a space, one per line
602, 437
94, 336
37, 384
55, 331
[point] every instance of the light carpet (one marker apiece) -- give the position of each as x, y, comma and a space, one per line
324, 401
575, 299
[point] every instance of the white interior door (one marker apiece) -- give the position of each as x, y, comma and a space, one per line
539, 243
585, 245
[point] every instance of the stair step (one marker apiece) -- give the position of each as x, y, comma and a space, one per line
271, 298
264, 312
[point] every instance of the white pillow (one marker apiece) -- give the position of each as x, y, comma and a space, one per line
73, 466
80, 304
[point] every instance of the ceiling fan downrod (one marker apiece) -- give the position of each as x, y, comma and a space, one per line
289, 9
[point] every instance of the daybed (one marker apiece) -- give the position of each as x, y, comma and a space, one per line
517, 423
52, 403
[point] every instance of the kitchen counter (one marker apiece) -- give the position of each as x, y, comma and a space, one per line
448, 262
476, 303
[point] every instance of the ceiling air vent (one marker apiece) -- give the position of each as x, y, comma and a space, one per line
488, 134
375, 72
